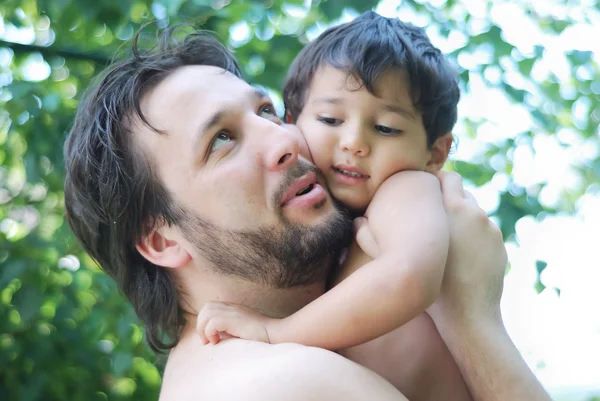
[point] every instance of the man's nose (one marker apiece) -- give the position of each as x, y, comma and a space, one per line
353, 141
280, 149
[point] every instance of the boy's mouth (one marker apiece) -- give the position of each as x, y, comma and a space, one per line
350, 171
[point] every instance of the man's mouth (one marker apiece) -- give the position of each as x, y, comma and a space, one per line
305, 190
302, 186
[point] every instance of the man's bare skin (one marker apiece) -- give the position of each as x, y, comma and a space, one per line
238, 369
225, 157
417, 360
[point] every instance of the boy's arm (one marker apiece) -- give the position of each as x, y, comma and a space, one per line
408, 221
467, 313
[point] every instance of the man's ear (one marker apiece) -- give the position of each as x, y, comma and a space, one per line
439, 153
159, 249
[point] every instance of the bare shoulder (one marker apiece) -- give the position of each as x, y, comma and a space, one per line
408, 180
239, 369
301, 373
405, 189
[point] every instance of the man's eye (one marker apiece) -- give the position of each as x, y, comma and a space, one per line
382, 129
222, 138
334, 122
268, 110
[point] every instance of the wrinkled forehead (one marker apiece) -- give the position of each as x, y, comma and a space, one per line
199, 85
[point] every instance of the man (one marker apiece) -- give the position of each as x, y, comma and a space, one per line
186, 188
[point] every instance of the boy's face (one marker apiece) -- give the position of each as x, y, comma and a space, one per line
359, 140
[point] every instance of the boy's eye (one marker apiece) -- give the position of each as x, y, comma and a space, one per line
222, 138
334, 122
382, 129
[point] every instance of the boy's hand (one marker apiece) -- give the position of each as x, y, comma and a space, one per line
364, 237
235, 320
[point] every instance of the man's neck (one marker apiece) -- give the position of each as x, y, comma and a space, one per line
272, 302
280, 303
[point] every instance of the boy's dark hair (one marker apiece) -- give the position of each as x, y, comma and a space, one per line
112, 197
371, 45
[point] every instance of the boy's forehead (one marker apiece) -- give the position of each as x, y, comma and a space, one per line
390, 85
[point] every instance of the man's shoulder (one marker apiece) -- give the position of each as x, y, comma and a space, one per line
238, 369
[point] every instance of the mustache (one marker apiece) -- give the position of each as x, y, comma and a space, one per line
301, 168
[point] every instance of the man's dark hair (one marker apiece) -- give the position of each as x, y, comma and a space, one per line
112, 197
371, 45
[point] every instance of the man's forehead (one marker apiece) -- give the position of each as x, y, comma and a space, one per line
192, 88
192, 94
208, 80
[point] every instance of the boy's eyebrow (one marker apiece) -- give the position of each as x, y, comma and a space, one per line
332, 100
400, 110
388, 107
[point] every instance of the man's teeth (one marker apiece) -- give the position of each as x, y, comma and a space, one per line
350, 173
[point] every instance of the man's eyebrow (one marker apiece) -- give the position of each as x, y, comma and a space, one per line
401, 111
215, 119
260, 93
205, 128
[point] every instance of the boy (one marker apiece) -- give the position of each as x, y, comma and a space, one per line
376, 103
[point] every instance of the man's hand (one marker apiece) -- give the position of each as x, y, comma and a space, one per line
476, 264
467, 313
217, 318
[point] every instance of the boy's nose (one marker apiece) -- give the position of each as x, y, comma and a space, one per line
354, 143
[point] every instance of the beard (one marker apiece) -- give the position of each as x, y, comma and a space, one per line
284, 256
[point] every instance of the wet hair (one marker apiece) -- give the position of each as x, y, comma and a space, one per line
371, 45
112, 196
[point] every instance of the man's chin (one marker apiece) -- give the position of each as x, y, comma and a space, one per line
316, 214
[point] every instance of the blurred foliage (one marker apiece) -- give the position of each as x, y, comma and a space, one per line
65, 331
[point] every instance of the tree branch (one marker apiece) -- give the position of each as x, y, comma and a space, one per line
50, 51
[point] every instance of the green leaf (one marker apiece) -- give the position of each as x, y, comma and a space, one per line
539, 287
28, 302
475, 173
540, 266
11, 269
121, 363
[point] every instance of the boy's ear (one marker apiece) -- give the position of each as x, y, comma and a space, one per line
159, 249
439, 153
288, 117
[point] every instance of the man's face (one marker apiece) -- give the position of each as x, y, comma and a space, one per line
235, 171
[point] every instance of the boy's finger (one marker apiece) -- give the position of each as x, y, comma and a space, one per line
357, 223
201, 323
202, 334
366, 242
212, 333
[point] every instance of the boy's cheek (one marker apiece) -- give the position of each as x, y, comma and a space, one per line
305, 150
